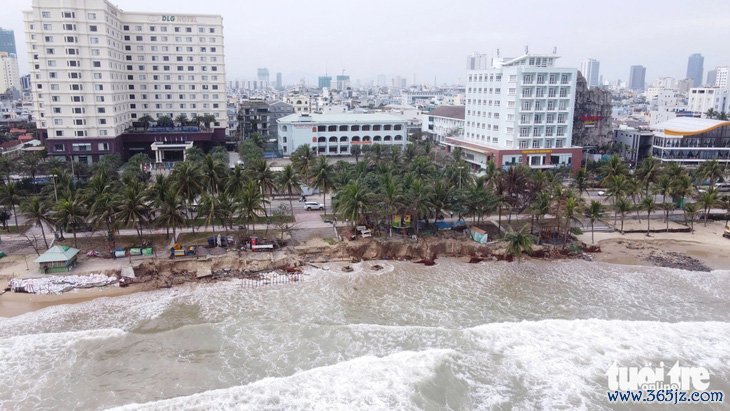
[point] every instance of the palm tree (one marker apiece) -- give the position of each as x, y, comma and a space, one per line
572, 208
617, 187
209, 209
181, 119
418, 196
711, 170
171, 212
38, 212
614, 167
389, 196
11, 195
132, 207
711, 113
540, 207
250, 203
356, 150
622, 207
581, 180
594, 212
30, 162
213, 171
664, 187
649, 171
187, 183
322, 175
353, 200
649, 205
690, 212
707, 200
264, 178
303, 159
70, 213
518, 243
288, 180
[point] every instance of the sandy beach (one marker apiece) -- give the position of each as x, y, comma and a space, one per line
706, 245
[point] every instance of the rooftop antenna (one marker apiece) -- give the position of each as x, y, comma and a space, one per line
527, 51
555, 50
497, 52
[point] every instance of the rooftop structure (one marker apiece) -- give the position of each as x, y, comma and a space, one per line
690, 141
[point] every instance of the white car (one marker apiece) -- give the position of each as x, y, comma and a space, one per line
601, 193
313, 205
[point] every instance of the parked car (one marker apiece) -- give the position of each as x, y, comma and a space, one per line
313, 205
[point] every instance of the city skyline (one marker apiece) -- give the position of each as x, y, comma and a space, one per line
330, 44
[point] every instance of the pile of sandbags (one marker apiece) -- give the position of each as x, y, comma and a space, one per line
57, 284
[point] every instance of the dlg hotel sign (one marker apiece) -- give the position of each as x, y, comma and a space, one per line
179, 19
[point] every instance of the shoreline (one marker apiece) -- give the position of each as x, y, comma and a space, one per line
662, 249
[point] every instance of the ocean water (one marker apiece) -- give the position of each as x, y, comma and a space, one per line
454, 336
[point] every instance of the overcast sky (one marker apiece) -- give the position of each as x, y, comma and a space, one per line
432, 38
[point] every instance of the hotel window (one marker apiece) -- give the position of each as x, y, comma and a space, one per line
47, 27
560, 131
540, 79
527, 92
535, 143
561, 118
565, 78
549, 131
46, 14
524, 131
68, 15
553, 79
524, 144
526, 105
564, 92
538, 105
563, 105
559, 143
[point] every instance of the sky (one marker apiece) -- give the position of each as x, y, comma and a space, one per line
430, 40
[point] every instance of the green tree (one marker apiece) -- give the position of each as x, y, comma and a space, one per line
11, 195
622, 207
707, 200
648, 172
650, 206
165, 121
288, 181
690, 213
322, 176
250, 203
38, 213
132, 207
70, 213
711, 170
353, 201
188, 184
356, 150
594, 213
171, 212
518, 243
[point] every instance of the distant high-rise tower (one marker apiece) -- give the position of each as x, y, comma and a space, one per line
694, 69
263, 76
325, 82
637, 75
343, 81
7, 41
711, 76
721, 75
589, 68
279, 85
9, 77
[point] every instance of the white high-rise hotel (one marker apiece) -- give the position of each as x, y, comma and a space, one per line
96, 69
519, 110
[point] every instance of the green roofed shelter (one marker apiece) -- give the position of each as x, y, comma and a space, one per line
58, 258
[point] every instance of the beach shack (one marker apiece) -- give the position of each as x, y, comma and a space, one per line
58, 258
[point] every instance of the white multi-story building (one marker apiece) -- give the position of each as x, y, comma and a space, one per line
9, 77
96, 69
335, 133
701, 99
589, 68
520, 110
721, 74
444, 121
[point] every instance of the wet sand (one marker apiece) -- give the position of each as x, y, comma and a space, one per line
12, 304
